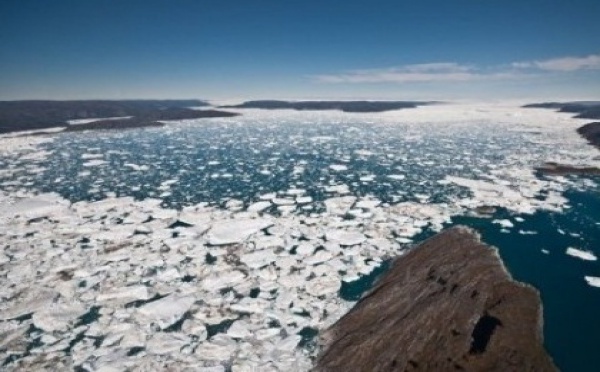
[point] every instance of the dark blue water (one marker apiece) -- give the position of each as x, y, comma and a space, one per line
571, 306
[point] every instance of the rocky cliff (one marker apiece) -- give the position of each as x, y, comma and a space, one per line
447, 305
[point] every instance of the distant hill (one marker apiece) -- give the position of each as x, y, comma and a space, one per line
31, 115
584, 109
345, 106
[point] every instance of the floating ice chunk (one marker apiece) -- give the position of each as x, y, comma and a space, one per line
258, 259
594, 281
263, 242
545, 251
504, 223
163, 343
89, 156
137, 168
338, 189
363, 152
340, 205
265, 334
305, 249
125, 295
584, 255
323, 285
239, 329
268, 196
259, 206
368, 204
212, 352
338, 167
367, 178
396, 177
345, 238
319, 257
235, 231
283, 201
57, 316
223, 280
35, 207
295, 192
289, 343
31, 302
167, 310
210, 369
286, 210
304, 199
234, 204
94, 163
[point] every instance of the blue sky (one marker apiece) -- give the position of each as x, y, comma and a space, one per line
222, 49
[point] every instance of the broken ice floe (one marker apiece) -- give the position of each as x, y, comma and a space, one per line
584, 255
117, 288
594, 281
267, 225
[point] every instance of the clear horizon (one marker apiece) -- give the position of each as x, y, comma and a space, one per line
234, 50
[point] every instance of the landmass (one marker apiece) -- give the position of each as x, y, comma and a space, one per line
590, 131
37, 115
447, 305
583, 109
551, 168
345, 106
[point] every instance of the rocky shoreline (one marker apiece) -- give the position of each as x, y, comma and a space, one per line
590, 131
448, 304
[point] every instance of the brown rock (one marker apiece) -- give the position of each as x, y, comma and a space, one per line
551, 168
447, 305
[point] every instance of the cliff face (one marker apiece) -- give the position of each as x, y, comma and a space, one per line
591, 132
447, 305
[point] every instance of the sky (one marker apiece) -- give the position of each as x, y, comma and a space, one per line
288, 49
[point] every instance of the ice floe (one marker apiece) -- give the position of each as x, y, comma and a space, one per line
584, 255
594, 281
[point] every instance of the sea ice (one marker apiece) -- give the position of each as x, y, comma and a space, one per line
345, 238
584, 255
338, 167
167, 310
594, 281
235, 231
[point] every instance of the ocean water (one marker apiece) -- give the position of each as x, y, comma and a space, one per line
422, 156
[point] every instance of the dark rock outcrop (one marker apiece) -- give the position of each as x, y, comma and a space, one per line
583, 109
557, 169
591, 132
35, 115
113, 124
345, 106
447, 305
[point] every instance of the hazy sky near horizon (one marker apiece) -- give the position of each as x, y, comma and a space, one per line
223, 49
